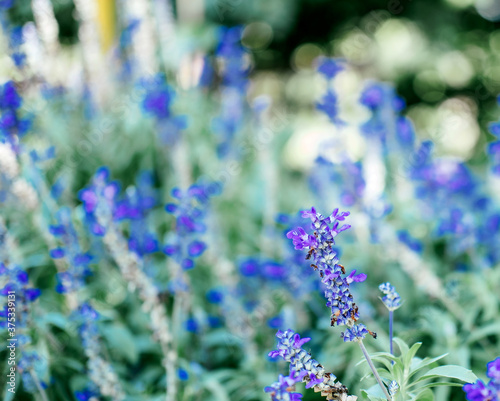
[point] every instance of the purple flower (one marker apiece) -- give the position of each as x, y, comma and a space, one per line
391, 299
57, 253
320, 249
329, 67
357, 331
493, 370
22, 277
196, 248
283, 389
9, 98
214, 296
249, 267
329, 106
182, 374
32, 294
373, 96
191, 325
479, 391
314, 381
309, 370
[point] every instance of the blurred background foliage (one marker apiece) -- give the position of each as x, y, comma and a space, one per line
441, 56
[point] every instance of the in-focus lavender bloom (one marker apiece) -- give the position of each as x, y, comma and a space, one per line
480, 391
311, 371
284, 388
319, 245
185, 243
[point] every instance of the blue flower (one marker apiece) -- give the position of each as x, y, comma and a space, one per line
309, 370
320, 249
329, 67
182, 374
284, 388
329, 105
479, 391
191, 325
275, 322
214, 296
391, 299
185, 244
412, 243
493, 370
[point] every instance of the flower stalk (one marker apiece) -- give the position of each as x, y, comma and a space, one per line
374, 370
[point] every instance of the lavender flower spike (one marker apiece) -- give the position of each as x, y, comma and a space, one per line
319, 245
284, 388
391, 299
480, 391
315, 376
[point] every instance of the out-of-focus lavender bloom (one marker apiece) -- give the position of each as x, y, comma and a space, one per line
185, 243
6, 4
207, 73
14, 280
234, 72
12, 125
87, 394
344, 180
135, 206
78, 261
319, 245
385, 123
329, 105
157, 102
15, 41
100, 372
100, 198
30, 365
330, 67
412, 243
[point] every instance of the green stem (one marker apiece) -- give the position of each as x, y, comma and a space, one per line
372, 367
39, 385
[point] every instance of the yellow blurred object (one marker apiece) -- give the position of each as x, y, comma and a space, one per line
106, 21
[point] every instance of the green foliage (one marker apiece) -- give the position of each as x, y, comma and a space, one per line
415, 376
